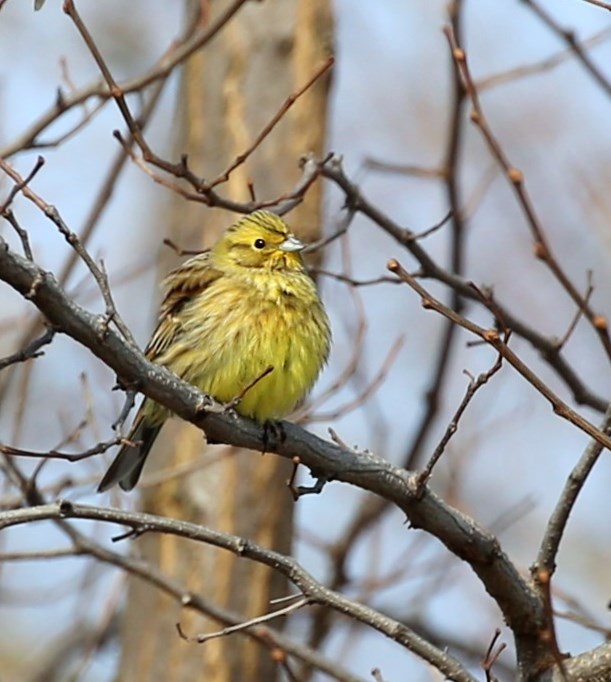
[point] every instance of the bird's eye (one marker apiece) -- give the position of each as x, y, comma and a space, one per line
259, 243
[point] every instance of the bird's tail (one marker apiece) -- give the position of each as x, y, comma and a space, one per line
127, 465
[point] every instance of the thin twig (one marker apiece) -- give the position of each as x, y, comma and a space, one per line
194, 39
474, 385
179, 251
276, 118
84, 546
538, 67
571, 40
130, 398
542, 248
21, 185
42, 555
239, 627
599, 3
9, 216
344, 225
332, 168
234, 402
430, 230
377, 675
72, 238
492, 337
86, 232
367, 390
404, 169
492, 655
578, 315
203, 190
351, 281
556, 525
66, 456
29, 353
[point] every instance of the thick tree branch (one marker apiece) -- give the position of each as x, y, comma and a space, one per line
516, 598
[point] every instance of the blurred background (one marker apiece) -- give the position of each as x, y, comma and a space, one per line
389, 117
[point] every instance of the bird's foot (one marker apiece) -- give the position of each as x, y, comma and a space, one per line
207, 405
273, 433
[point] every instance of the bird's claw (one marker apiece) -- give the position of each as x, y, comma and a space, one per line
273, 433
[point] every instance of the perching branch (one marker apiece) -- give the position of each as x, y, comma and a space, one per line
461, 535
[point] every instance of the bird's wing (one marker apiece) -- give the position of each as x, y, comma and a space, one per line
188, 280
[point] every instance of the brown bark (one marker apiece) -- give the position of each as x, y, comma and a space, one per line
229, 92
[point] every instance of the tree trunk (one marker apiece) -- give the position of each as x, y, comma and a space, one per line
228, 94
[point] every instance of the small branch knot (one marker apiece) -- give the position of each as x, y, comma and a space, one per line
65, 508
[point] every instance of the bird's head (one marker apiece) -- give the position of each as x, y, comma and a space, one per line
260, 240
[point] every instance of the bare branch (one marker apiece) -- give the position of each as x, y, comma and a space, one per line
541, 246
174, 56
66, 456
540, 66
286, 105
332, 169
72, 238
461, 535
474, 385
492, 337
312, 590
550, 544
570, 39
231, 629
31, 352
599, 3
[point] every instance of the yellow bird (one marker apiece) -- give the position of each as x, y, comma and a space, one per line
228, 315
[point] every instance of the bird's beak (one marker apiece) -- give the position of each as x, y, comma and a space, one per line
291, 244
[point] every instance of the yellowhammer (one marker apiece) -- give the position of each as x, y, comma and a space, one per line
228, 315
